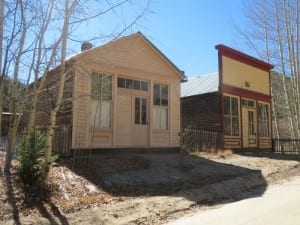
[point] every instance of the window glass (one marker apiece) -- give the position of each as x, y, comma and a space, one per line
227, 105
137, 85
107, 88
231, 116
160, 120
144, 111
137, 111
140, 111
105, 114
263, 120
164, 95
227, 125
160, 102
144, 86
156, 94
121, 82
129, 83
100, 103
96, 86
235, 126
234, 106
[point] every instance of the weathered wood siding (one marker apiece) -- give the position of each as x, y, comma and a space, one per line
202, 112
46, 99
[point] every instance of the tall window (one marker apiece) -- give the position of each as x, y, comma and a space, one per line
140, 111
101, 96
161, 103
263, 120
231, 116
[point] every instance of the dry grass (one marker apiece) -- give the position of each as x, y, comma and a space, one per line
224, 153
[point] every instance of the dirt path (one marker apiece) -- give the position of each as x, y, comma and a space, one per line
170, 188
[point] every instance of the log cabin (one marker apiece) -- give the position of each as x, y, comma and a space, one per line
124, 94
235, 102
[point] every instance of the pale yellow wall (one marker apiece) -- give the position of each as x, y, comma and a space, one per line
135, 61
130, 52
236, 74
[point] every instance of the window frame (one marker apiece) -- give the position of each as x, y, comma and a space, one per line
101, 100
264, 122
230, 117
161, 106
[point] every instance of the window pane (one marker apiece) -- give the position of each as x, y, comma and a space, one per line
129, 83
234, 106
144, 111
164, 118
235, 126
164, 95
105, 115
137, 85
106, 88
227, 125
137, 111
227, 105
251, 123
144, 86
96, 86
263, 120
156, 118
121, 82
156, 94
95, 113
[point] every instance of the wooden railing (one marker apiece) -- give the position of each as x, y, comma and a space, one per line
198, 140
286, 146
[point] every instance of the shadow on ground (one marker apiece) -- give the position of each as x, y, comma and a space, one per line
160, 174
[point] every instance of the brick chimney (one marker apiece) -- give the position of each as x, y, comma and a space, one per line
86, 45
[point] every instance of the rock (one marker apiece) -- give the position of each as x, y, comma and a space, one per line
92, 188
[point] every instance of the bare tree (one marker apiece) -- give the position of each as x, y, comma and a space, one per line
34, 34
273, 32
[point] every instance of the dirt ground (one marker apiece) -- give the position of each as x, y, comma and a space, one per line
149, 188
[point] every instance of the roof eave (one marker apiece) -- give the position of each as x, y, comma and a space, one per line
242, 57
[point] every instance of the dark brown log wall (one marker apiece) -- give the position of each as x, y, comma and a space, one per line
46, 100
201, 112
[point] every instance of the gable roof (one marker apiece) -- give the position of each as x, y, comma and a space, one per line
139, 35
200, 85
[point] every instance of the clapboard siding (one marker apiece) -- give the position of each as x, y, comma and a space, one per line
201, 112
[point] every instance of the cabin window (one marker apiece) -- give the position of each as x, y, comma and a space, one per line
140, 111
161, 104
231, 116
101, 97
132, 84
263, 120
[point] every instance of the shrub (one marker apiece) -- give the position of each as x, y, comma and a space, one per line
30, 156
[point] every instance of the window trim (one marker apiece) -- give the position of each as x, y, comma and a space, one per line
238, 115
161, 106
259, 103
100, 101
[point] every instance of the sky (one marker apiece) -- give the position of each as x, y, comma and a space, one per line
186, 31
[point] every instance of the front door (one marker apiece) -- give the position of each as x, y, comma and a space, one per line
249, 128
141, 123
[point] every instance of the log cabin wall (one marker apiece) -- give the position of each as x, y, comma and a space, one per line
46, 99
201, 112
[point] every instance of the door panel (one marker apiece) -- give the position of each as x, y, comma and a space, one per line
249, 128
141, 125
124, 120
